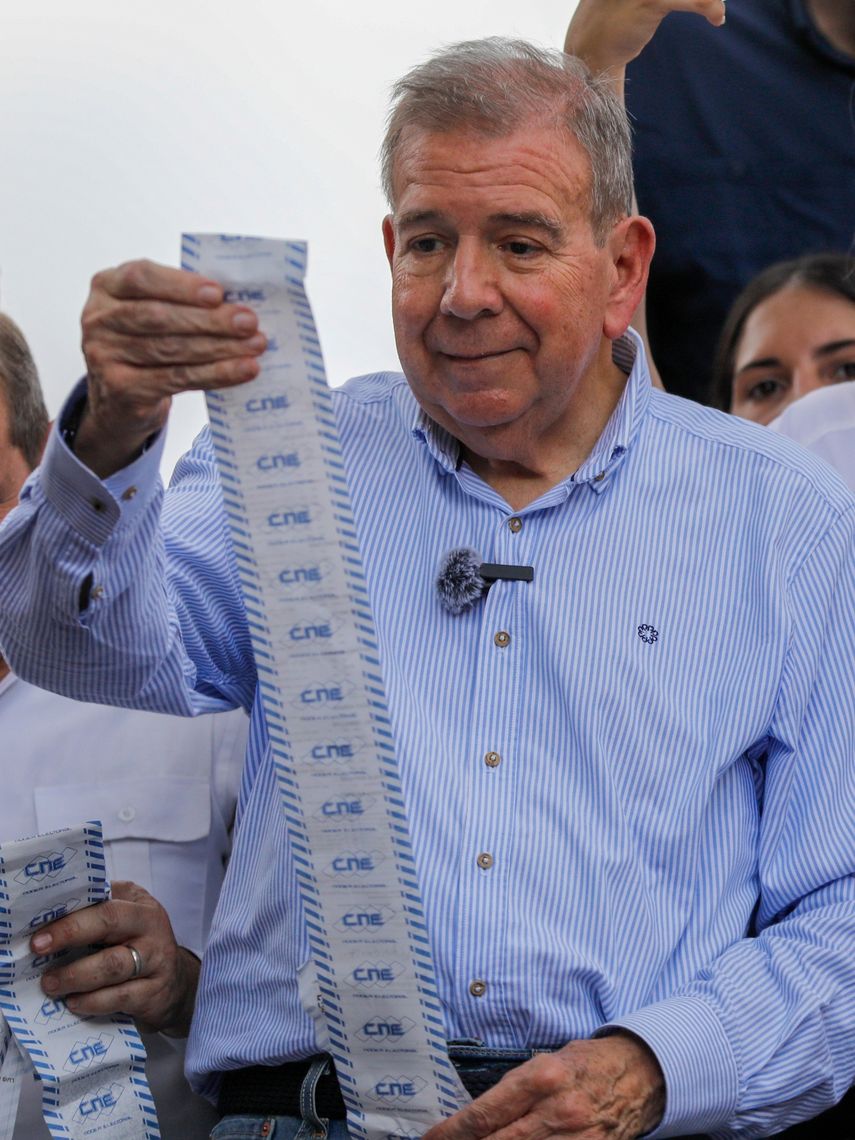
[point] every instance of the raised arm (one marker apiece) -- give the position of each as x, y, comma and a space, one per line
114, 619
607, 34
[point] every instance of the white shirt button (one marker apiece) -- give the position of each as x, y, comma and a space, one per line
126, 814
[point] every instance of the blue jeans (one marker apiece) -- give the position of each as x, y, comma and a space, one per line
278, 1128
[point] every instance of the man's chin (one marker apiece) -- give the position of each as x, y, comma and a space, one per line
477, 419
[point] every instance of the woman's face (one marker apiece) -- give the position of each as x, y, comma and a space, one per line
797, 340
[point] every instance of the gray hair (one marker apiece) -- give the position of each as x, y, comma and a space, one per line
19, 384
495, 86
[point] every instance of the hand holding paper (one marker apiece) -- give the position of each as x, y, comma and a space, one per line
150, 332
159, 997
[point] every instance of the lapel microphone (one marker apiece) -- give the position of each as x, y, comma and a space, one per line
463, 578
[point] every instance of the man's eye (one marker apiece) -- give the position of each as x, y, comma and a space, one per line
521, 248
426, 245
843, 371
764, 390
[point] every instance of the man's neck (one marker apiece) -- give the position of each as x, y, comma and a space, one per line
836, 20
531, 467
4, 669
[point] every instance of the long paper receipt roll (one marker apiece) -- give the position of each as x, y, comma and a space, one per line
315, 646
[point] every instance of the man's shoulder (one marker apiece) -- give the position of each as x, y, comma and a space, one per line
374, 388
378, 404
747, 451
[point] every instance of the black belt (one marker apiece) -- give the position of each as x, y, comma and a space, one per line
264, 1090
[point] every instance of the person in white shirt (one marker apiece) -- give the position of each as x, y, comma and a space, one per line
165, 788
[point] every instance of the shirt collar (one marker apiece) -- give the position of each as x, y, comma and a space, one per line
609, 450
623, 426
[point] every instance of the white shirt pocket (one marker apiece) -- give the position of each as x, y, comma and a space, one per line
156, 833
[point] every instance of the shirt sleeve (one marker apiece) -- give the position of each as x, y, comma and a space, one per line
113, 594
765, 1035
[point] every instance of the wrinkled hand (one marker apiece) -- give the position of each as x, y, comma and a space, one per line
161, 998
608, 1089
150, 332
607, 34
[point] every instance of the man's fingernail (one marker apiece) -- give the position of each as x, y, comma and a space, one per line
209, 295
248, 369
41, 942
245, 322
257, 343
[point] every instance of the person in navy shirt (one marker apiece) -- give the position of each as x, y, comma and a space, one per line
744, 156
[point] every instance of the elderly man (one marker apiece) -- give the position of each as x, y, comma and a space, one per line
630, 782
165, 789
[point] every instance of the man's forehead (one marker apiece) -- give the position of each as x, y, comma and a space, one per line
537, 156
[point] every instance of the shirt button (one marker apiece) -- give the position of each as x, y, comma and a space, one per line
477, 988
98, 505
126, 814
97, 592
485, 860
600, 477
129, 494
515, 525
502, 639
492, 759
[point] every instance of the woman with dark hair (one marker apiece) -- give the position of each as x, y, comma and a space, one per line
790, 332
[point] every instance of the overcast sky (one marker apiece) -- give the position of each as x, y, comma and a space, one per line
125, 124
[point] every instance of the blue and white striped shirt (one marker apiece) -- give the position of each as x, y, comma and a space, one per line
660, 758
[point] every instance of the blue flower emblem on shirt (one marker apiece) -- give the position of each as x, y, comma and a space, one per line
648, 634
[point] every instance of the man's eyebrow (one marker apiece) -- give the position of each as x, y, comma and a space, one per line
527, 219
419, 218
833, 346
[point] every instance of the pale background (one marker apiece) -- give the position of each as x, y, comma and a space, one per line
123, 125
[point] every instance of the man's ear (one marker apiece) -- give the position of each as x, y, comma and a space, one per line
389, 238
630, 244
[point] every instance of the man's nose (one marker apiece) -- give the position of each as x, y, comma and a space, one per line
471, 288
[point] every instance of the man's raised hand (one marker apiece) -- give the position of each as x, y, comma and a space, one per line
150, 332
607, 34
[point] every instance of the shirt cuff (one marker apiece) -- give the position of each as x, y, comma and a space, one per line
696, 1058
91, 506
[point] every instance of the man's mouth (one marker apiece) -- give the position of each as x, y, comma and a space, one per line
489, 354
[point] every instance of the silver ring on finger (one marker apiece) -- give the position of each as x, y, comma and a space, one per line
138, 962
